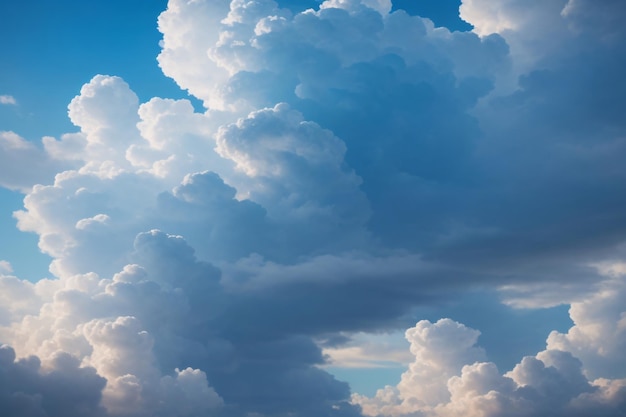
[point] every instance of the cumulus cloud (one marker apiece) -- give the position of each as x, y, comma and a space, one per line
351, 164
450, 376
106, 113
17, 159
599, 332
579, 371
154, 335
64, 388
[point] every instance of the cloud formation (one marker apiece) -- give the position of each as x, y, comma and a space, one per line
8, 100
63, 389
352, 164
450, 375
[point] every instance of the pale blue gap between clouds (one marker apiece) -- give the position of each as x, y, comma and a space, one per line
55, 52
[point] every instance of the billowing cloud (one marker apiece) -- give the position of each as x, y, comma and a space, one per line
352, 164
17, 159
61, 389
599, 332
450, 376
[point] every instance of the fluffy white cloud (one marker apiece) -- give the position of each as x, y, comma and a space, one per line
17, 298
5, 267
83, 316
532, 29
441, 350
106, 113
17, 159
578, 372
122, 353
599, 333
190, 30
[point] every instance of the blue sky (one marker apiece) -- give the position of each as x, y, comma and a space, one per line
338, 208
57, 47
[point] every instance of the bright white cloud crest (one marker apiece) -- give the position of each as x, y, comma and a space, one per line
351, 164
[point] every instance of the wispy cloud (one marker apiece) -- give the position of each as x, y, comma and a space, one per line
9, 100
5, 267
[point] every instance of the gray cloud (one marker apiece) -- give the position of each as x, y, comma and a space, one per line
64, 389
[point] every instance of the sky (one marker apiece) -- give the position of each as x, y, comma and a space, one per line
344, 208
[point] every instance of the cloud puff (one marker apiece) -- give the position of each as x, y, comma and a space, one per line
8, 100
106, 112
450, 376
18, 156
5, 267
64, 388
122, 352
599, 332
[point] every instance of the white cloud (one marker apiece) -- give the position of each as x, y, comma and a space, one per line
190, 30
17, 159
440, 350
579, 371
89, 222
106, 112
599, 333
83, 316
122, 353
533, 29
7, 99
17, 297
5, 267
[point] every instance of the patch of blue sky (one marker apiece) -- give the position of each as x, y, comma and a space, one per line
16, 247
442, 12
53, 52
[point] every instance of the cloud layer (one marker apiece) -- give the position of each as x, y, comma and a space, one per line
352, 164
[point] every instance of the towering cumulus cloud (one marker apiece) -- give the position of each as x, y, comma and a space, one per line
352, 165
